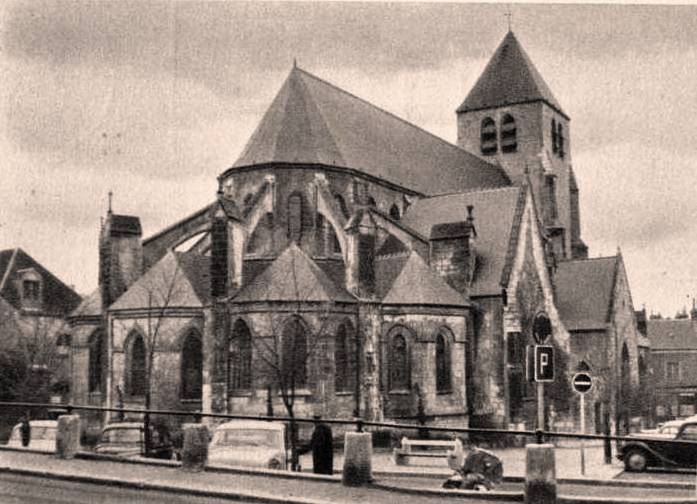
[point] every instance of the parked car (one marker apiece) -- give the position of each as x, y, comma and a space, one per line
127, 439
249, 443
42, 436
657, 450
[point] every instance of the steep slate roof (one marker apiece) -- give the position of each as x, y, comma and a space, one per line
494, 215
91, 306
58, 298
278, 283
584, 290
672, 334
418, 284
313, 122
509, 77
170, 276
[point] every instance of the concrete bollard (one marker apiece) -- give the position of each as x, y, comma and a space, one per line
540, 474
68, 436
358, 454
195, 448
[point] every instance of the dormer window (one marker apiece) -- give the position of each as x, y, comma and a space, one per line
31, 289
509, 134
488, 137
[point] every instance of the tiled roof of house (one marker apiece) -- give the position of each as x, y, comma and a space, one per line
509, 77
418, 284
679, 334
494, 212
313, 122
58, 298
172, 282
293, 276
584, 290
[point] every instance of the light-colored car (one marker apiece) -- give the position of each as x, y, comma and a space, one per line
249, 443
42, 436
127, 439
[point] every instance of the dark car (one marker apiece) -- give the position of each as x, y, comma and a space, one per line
127, 439
658, 449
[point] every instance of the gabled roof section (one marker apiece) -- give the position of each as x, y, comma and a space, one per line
494, 213
418, 284
166, 285
91, 306
678, 334
585, 292
58, 298
510, 77
293, 277
313, 122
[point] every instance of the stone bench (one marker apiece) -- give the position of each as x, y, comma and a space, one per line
421, 448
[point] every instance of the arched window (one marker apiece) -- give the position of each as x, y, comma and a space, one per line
240, 358
341, 203
394, 212
345, 359
555, 143
136, 371
295, 354
295, 217
509, 134
443, 378
191, 366
400, 370
371, 202
488, 136
560, 139
95, 361
260, 242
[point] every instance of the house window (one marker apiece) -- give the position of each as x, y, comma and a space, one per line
95, 362
673, 371
31, 290
443, 378
394, 212
555, 144
240, 357
509, 141
295, 355
191, 367
400, 373
136, 375
295, 217
345, 360
488, 136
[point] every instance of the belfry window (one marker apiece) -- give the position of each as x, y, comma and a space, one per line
488, 136
555, 144
560, 140
509, 140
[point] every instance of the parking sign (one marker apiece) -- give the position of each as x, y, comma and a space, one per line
541, 363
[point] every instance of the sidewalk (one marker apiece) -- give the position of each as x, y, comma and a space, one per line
270, 486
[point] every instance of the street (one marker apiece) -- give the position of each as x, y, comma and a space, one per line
24, 489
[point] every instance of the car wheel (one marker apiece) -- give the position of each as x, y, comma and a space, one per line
635, 460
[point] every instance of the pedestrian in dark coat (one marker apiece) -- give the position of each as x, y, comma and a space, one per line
25, 430
322, 448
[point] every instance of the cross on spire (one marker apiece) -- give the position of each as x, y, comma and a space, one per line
508, 15
111, 194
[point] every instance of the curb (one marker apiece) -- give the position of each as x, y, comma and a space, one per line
445, 493
144, 485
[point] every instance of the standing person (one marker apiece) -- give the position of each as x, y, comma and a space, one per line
322, 448
25, 430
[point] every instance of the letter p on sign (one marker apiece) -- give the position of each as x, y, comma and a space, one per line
544, 363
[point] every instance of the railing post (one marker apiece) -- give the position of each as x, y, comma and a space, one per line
359, 425
539, 436
358, 454
195, 448
68, 436
540, 474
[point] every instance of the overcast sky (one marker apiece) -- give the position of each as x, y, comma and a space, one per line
154, 100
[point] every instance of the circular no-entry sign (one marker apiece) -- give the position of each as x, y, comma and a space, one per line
582, 382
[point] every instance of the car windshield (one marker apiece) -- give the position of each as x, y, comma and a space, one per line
668, 429
121, 436
247, 438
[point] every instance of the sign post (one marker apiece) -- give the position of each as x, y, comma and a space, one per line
543, 362
582, 383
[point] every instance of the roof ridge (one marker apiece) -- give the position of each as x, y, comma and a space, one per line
474, 190
585, 259
10, 265
392, 114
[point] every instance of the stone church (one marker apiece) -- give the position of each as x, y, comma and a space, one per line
353, 264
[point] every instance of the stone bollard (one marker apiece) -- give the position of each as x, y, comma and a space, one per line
540, 475
195, 448
358, 454
68, 436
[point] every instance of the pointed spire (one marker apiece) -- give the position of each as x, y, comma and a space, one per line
510, 77
110, 195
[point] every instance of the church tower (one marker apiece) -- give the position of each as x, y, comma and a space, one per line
511, 117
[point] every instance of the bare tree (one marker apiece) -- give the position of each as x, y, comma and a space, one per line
289, 345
